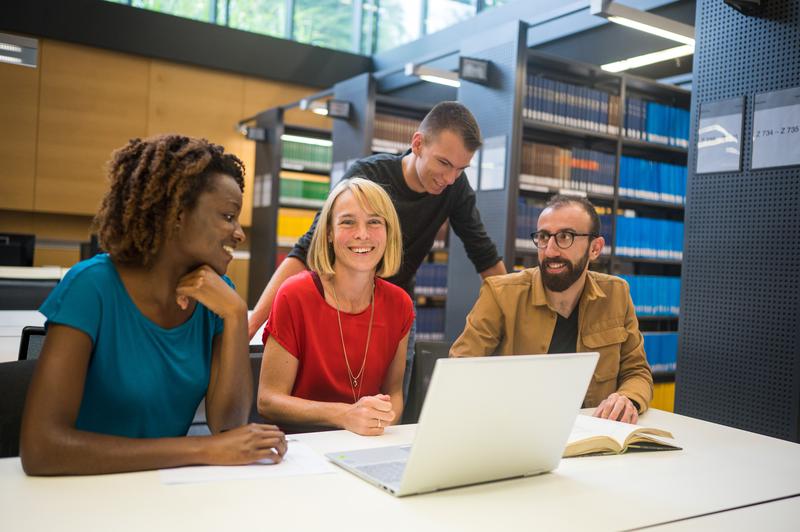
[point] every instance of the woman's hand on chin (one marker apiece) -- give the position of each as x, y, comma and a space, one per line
206, 286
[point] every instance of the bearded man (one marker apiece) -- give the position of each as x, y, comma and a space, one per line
563, 307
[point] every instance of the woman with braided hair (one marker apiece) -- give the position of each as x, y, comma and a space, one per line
137, 337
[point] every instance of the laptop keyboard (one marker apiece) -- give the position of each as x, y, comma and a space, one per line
386, 472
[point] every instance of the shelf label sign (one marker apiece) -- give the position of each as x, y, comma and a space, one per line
474, 170
719, 137
262, 190
493, 164
776, 129
337, 173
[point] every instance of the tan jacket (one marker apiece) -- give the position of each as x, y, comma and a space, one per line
512, 317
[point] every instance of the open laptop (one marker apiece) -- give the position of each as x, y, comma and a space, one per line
483, 419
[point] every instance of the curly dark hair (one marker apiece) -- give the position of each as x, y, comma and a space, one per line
152, 181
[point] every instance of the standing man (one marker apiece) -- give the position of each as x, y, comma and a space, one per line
427, 186
562, 307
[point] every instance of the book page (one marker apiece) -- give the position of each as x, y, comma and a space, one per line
588, 426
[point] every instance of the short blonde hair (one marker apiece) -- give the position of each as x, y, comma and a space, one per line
372, 198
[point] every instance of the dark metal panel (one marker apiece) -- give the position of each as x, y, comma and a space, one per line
739, 360
352, 139
426, 93
497, 108
266, 193
150, 34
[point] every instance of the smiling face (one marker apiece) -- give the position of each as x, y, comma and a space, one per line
440, 160
210, 231
562, 268
358, 236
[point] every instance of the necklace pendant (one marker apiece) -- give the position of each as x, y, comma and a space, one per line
355, 383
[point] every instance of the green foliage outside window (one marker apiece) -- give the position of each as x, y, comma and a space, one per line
385, 24
266, 17
194, 9
327, 23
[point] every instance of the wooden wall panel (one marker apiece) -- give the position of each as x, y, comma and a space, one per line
92, 101
56, 256
44, 225
19, 102
199, 103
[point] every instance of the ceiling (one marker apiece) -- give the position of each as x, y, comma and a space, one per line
564, 28
611, 42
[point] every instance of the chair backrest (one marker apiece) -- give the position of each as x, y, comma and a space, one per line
425, 356
24, 294
14, 380
31, 342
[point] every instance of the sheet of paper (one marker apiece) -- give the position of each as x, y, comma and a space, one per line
300, 459
493, 164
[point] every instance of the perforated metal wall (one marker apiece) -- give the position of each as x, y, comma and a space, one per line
496, 108
739, 357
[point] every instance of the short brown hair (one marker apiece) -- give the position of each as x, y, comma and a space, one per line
372, 198
152, 181
452, 116
562, 200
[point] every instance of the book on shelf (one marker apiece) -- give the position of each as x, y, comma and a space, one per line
654, 295
576, 169
594, 435
292, 224
303, 189
571, 105
649, 238
655, 122
392, 134
431, 279
662, 350
303, 156
652, 180
430, 323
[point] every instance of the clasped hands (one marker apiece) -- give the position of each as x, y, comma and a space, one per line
369, 416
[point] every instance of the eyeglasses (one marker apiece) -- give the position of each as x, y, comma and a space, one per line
564, 239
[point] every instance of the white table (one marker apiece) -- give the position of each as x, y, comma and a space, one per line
783, 514
720, 468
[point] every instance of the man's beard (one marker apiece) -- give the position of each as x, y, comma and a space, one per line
561, 281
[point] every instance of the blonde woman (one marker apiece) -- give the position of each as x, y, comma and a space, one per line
335, 341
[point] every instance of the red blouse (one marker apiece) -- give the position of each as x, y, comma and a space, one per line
304, 324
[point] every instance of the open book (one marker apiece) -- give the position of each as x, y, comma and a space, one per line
593, 435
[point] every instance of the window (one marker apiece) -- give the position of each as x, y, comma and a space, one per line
385, 24
259, 16
488, 4
194, 9
398, 22
444, 13
327, 23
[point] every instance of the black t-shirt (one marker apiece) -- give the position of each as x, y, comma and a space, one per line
565, 335
421, 214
